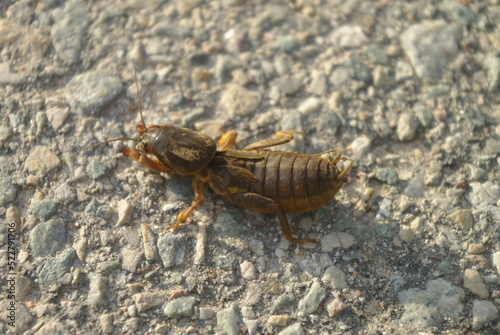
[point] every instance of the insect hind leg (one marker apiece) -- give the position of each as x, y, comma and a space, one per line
281, 137
334, 156
346, 168
262, 203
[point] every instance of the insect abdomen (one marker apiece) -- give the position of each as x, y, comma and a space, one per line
297, 182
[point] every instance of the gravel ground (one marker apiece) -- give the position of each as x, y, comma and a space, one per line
408, 89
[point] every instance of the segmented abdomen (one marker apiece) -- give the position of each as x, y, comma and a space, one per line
298, 182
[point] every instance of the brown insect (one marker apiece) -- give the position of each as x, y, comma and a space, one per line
269, 181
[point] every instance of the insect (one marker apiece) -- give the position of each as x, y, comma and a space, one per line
270, 181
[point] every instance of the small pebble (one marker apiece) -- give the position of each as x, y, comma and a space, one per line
295, 329
483, 311
382, 77
228, 321
206, 313
247, 313
407, 127
337, 240
180, 307
286, 44
289, 84
9, 77
248, 271
98, 291
174, 99
80, 247
387, 175
124, 209
404, 71
40, 161
378, 55
335, 277
415, 188
13, 215
281, 303
433, 180
47, 238
96, 169
494, 72
65, 193
5, 133
106, 323
443, 204
313, 298
89, 92
477, 173
424, 116
310, 105
274, 95
446, 268
237, 100
44, 209
334, 307
440, 114
476, 248
236, 40
40, 120
131, 259
53, 268
224, 65
484, 194
479, 260
105, 268
172, 249
462, 217
348, 36
430, 306
431, 46
147, 300
496, 260
474, 282
279, 320
68, 31
319, 84
201, 240
406, 234
359, 71
417, 225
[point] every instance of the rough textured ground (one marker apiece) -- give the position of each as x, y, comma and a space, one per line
408, 89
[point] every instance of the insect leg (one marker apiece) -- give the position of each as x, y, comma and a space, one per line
259, 202
347, 168
144, 160
334, 156
227, 140
198, 186
281, 137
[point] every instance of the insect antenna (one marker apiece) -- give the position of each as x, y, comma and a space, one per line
139, 97
101, 143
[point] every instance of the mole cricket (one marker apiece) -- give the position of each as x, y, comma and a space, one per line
277, 182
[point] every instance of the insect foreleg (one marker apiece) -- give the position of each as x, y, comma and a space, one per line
198, 186
226, 141
144, 160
